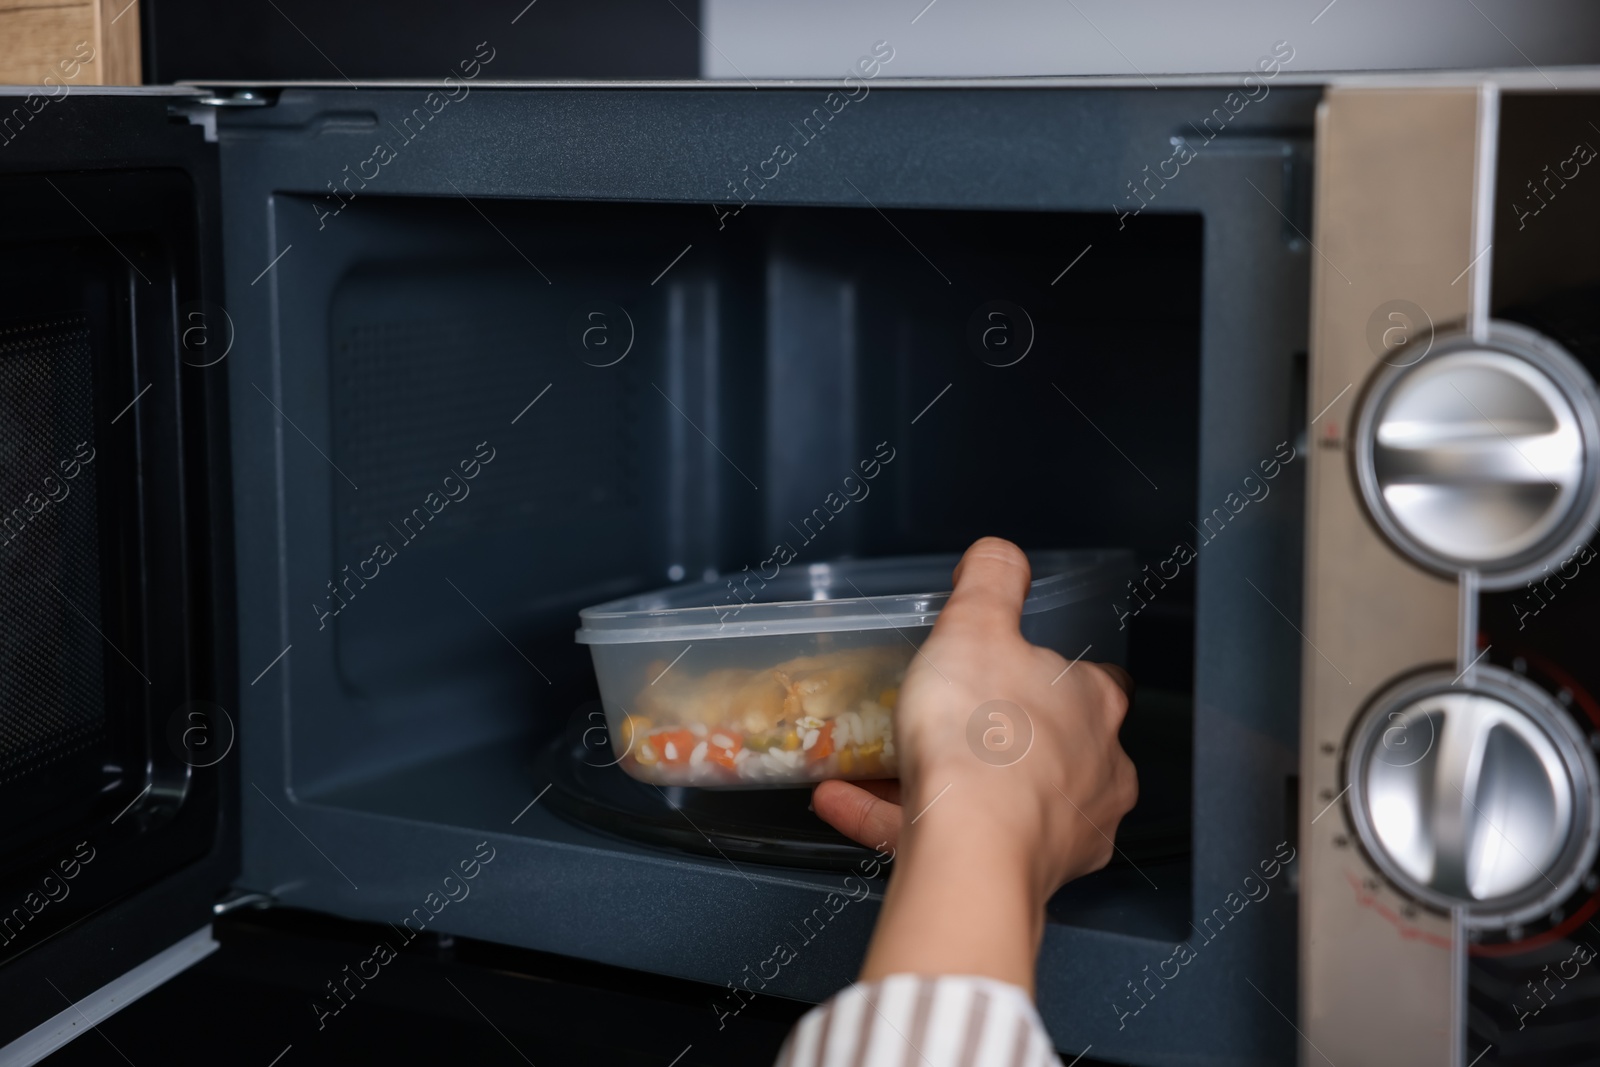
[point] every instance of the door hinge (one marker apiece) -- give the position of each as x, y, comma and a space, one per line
243, 899
202, 112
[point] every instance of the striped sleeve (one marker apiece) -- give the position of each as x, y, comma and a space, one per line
909, 1020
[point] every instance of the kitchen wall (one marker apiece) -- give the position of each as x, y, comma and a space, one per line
974, 38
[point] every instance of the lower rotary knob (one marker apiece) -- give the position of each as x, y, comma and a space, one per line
1480, 797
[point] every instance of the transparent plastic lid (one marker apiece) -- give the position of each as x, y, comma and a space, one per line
869, 594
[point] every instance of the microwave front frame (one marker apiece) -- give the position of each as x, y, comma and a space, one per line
583, 895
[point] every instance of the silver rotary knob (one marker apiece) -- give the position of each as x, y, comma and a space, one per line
1483, 455
1482, 798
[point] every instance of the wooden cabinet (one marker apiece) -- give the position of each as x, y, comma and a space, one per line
92, 42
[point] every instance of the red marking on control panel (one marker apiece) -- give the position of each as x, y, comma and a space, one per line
1368, 899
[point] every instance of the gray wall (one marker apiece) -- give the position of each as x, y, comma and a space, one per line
821, 38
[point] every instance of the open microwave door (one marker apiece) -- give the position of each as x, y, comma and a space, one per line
117, 746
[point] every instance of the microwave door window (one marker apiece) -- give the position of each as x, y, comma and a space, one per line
55, 736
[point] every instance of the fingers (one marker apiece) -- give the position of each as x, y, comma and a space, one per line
858, 814
1128, 778
1123, 679
991, 582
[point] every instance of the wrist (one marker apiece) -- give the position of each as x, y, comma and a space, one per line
962, 809
960, 901
972, 874
969, 841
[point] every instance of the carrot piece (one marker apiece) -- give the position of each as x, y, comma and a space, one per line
673, 746
823, 748
723, 754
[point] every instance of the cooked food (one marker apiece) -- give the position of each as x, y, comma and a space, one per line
822, 716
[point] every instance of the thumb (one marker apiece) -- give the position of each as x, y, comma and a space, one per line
991, 582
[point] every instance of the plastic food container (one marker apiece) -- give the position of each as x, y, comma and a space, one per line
745, 683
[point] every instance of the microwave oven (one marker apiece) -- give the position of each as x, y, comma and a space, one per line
383, 383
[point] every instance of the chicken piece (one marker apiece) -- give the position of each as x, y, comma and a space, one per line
824, 686
820, 693
771, 700
757, 706
680, 698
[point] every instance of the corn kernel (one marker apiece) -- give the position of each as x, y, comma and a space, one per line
888, 697
634, 726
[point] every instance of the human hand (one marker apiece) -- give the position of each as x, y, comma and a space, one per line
1010, 832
